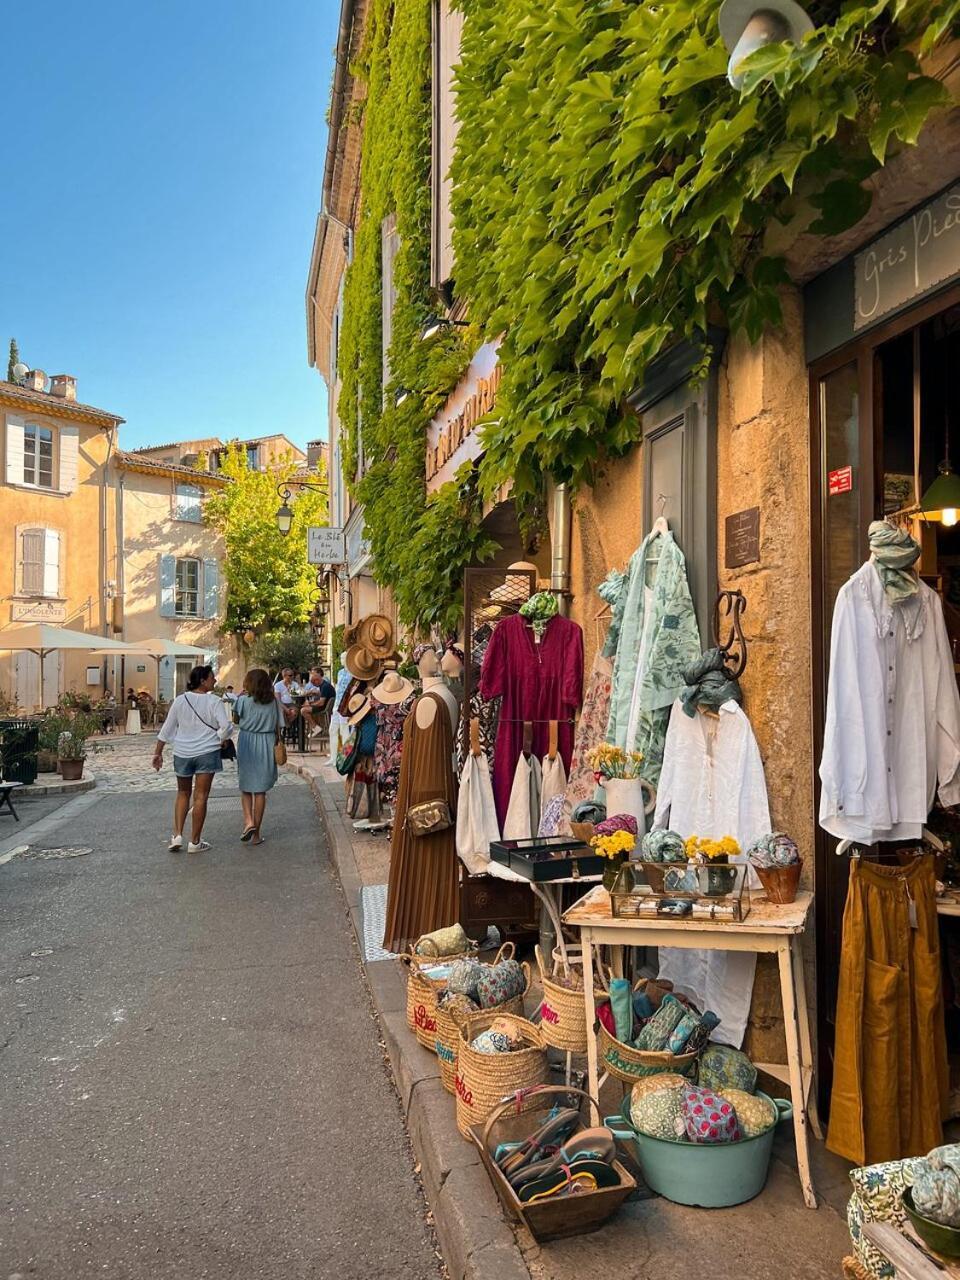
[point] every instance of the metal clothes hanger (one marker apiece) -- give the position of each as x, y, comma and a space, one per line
660, 525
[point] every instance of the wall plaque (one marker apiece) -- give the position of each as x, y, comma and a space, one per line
742, 538
38, 611
908, 261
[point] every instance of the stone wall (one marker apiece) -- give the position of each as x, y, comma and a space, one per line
763, 460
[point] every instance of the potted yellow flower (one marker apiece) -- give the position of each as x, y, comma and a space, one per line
616, 847
711, 855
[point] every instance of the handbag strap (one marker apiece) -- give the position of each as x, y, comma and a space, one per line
212, 727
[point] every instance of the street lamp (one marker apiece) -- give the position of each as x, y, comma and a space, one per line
285, 512
746, 26
436, 323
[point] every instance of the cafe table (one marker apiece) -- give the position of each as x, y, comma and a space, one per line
768, 929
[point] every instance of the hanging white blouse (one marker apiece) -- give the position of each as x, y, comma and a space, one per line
553, 780
893, 714
712, 785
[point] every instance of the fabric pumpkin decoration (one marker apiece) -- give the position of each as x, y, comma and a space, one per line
708, 1117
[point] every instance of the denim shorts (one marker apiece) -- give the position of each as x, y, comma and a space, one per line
188, 766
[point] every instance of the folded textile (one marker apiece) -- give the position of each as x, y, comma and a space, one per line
589, 811
499, 982
773, 850
756, 1114
605, 1014
708, 1117
682, 1032
643, 1006
622, 1006
456, 1003
936, 1185
661, 845
464, 976
617, 822
656, 1034
450, 941
701, 1032
723, 1067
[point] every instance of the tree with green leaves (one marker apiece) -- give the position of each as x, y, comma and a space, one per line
269, 581
14, 359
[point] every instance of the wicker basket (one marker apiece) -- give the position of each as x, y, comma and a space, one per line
484, 1079
448, 1024
422, 994
563, 1021
626, 1063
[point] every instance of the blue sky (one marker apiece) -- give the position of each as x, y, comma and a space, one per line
164, 160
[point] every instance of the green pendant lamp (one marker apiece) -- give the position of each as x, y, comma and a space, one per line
942, 500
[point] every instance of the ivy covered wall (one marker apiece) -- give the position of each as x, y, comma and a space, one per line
613, 193
420, 547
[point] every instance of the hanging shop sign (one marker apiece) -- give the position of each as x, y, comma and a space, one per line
452, 436
742, 538
909, 261
325, 546
37, 611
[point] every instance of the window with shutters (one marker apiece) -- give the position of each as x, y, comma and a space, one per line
38, 455
447, 29
38, 562
187, 589
187, 503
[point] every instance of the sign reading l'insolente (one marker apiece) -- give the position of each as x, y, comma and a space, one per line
910, 260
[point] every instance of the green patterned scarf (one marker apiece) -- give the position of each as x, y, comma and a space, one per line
894, 552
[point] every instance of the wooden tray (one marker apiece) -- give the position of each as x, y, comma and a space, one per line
554, 1218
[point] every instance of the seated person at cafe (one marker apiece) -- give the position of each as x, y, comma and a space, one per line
320, 694
285, 688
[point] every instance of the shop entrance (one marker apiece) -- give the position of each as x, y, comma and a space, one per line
883, 409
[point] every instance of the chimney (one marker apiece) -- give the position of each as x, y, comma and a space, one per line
63, 385
315, 450
36, 380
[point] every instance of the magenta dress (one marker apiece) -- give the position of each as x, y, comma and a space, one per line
538, 682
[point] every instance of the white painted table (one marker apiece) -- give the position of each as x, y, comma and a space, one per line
133, 722
767, 929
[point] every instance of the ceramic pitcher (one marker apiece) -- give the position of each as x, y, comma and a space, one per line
625, 795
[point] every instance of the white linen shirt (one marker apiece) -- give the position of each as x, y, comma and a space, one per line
191, 735
893, 714
713, 785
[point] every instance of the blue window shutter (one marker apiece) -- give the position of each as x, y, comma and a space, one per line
168, 585
167, 673
211, 589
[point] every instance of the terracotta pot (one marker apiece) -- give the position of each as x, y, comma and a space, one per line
71, 770
781, 883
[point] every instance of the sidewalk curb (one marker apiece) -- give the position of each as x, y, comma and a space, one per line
476, 1241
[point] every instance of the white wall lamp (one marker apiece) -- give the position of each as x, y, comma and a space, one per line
745, 28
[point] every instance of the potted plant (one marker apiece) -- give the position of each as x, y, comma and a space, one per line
714, 857
72, 746
616, 846
618, 772
51, 728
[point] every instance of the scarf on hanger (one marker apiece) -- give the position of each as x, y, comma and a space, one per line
708, 684
894, 552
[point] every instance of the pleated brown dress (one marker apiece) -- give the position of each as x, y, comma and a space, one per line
423, 893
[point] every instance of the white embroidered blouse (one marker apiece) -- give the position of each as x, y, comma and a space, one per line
893, 714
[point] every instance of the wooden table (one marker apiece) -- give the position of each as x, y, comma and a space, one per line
767, 929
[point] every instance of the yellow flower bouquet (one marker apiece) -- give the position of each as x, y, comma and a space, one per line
701, 849
617, 844
608, 761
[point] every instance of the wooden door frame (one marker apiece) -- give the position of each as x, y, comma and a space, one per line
862, 351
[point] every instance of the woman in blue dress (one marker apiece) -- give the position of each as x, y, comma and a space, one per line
260, 718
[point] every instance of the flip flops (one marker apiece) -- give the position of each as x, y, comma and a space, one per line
583, 1174
546, 1140
247, 835
592, 1144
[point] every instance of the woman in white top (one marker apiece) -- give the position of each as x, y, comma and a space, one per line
196, 724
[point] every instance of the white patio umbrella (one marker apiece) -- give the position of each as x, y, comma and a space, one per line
41, 638
158, 649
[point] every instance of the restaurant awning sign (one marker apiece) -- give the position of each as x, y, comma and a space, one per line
453, 437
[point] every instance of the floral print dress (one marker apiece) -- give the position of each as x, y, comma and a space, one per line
386, 759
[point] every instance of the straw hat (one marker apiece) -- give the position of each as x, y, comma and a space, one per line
375, 632
362, 664
357, 708
392, 688
515, 583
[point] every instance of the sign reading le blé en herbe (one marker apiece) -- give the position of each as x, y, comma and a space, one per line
908, 261
325, 546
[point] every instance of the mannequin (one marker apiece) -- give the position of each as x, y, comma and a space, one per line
433, 682
451, 667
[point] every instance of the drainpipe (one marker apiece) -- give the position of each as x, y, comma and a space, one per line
560, 556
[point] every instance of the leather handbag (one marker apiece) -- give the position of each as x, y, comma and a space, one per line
280, 751
429, 817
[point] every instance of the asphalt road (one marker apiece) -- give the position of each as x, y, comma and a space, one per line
191, 1082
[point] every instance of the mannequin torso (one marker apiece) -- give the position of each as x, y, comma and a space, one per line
426, 707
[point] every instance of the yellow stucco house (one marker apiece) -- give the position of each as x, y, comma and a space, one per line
57, 528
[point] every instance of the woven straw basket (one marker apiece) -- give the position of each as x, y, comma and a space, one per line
448, 1026
628, 1064
484, 1079
422, 994
563, 1019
